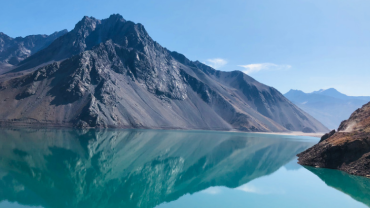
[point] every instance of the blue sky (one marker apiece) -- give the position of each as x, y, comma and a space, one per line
287, 44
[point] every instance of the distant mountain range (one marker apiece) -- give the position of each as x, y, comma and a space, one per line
15, 50
328, 106
111, 73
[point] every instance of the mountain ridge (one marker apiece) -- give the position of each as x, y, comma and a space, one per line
329, 106
15, 50
110, 73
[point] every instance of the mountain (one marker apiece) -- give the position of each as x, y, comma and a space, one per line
329, 106
347, 150
15, 50
110, 73
130, 168
331, 92
336, 94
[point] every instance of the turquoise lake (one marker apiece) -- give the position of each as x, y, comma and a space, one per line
54, 168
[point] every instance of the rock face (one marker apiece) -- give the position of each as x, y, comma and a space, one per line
347, 150
15, 50
110, 73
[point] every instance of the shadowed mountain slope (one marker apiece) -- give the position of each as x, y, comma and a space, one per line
110, 73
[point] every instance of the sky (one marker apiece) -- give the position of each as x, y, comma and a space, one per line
287, 44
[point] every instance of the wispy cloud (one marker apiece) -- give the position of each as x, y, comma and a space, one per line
266, 190
250, 189
212, 190
216, 62
252, 68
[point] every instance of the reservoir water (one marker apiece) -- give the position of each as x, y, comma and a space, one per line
55, 168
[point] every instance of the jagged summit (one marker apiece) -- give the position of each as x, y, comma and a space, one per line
86, 24
116, 17
90, 32
110, 73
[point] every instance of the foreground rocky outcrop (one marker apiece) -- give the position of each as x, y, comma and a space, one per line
110, 73
347, 150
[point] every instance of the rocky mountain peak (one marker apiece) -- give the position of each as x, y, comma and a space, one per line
116, 17
84, 27
87, 22
111, 73
89, 33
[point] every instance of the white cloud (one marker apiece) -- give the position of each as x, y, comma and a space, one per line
216, 63
252, 68
266, 190
249, 189
212, 190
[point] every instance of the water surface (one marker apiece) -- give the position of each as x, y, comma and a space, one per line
146, 168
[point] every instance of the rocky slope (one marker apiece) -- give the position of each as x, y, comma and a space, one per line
15, 50
347, 150
110, 73
130, 168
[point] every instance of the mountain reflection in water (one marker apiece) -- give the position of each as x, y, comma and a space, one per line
131, 168
355, 186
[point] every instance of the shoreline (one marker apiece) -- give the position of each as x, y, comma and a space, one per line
293, 133
66, 126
